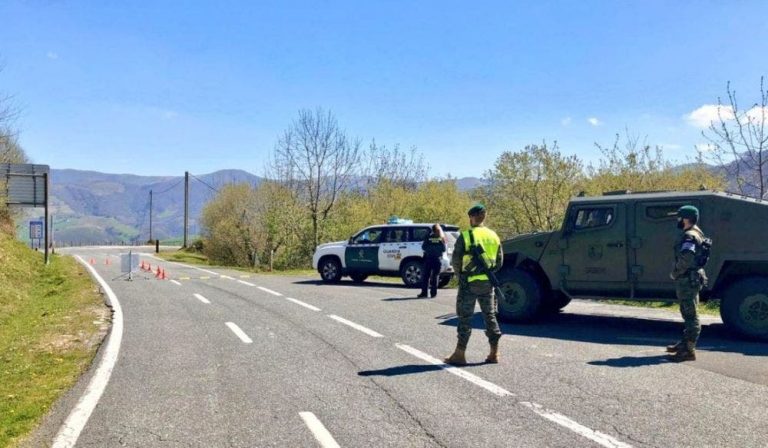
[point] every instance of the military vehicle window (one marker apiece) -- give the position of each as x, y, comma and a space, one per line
588, 218
419, 233
661, 211
369, 236
395, 235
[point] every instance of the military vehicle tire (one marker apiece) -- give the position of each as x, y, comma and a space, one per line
523, 296
744, 308
358, 278
554, 302
411, 272
330, 270
443, 281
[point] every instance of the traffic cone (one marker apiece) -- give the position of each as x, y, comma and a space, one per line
162, 274
149, 267
106, 261
93, 261
142, 265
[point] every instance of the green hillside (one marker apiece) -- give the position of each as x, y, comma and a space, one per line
52, 320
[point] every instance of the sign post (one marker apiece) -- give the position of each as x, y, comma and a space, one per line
27, 185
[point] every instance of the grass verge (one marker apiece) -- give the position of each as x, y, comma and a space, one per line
710, 308
52, 320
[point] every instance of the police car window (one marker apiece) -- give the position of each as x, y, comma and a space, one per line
589, 218
661, 211
395, 235
368, 236
419, 233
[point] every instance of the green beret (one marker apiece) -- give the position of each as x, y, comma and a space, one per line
688, 212
476, 209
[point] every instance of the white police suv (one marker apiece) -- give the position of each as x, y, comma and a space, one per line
392, 249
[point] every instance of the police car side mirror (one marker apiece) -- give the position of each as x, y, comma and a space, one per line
351, 240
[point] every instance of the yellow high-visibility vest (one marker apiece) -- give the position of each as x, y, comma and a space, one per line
490, 243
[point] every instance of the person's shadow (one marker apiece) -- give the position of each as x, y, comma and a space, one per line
413, 368
632, 361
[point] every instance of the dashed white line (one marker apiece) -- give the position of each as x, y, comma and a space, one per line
323, 437
246, 283
239, 333
75, 422
201, 298
595, 436
305, 305
269, 291
357, 327
227, 277
490, 387
175, 282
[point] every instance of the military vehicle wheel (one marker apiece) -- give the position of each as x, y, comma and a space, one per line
744, 307
330, 270
358, 278
522, 296
555, 302
443, 281
411, 272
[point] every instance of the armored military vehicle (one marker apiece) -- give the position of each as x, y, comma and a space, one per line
620, 245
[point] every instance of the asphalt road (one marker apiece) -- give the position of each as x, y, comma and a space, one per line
213, 359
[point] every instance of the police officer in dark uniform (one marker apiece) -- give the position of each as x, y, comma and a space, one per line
433, 247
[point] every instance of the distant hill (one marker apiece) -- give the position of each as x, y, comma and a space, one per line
94, 208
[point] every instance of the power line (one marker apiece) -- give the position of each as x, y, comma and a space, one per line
171, 187
204, 183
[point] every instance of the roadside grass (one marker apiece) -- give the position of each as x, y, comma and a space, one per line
710, 308
52, 320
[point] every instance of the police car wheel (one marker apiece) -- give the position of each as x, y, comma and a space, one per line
330, 270
358, 278
411, 273
744, 308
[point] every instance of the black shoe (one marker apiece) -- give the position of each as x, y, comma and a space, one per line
432, 294
423, 295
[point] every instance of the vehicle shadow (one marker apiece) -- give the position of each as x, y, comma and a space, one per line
397, 299
409, 369
368, 284
618, 330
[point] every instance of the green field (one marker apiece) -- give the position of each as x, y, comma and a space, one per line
52, 320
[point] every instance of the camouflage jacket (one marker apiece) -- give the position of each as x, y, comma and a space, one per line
686, 246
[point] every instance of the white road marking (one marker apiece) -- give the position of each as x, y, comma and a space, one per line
75, 422
357, 327
595, 436
490, 387
321, 434
227, 277
183, 264
175, 282
201, 298
239, 333
305, 305
246, 283
269, 291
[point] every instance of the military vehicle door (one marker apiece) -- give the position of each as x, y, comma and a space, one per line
393, 247
653, 239
595, 248
362, 252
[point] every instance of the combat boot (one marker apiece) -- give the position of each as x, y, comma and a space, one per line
676, 347
493, 356
687, 353
457, 358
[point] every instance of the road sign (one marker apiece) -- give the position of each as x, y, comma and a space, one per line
27, 185
36, 230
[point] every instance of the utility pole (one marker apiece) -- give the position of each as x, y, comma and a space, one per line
186, 207
150, 216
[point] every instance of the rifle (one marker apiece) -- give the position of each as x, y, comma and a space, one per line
477, 252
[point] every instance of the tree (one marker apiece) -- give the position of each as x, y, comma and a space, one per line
739, 142
316, 160
228, 228
393, 166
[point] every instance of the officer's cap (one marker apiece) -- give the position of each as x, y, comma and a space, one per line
476, 209
688, 212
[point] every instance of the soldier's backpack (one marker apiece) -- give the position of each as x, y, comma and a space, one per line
702, 256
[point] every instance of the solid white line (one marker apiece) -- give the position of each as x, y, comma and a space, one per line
595, 436
490, 387
227, 277
321, 434
357, 327
246, 283
269, 291
239, 333
182, 264
305, 305
175, 282
201, 298
75, 422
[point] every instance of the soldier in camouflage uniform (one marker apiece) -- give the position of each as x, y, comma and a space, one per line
475, 286
689, 279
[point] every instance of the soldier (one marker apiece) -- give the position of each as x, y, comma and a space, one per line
689, 278
475, 286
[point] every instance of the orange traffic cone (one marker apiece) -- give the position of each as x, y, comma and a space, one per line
162, 274
93, 261
106, 261
149, 267
157, 273
142, 265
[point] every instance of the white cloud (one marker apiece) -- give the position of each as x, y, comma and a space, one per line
708, 113
757, 113
594, 121
52, 55
566, 121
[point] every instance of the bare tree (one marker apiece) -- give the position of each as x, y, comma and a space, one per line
393, 165
317, 161
739, 141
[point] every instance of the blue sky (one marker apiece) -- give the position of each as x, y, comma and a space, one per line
163, 87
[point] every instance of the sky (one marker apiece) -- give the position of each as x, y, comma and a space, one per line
159, 88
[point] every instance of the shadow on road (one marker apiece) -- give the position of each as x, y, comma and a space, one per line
616, 330
632, 361
397, 299
410, 369
351, 283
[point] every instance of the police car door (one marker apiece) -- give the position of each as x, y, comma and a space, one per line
393, 246
362, 252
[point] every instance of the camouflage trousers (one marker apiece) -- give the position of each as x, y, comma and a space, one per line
469, 293
688, 294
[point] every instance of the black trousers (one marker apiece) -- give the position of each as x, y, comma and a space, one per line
430, 275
